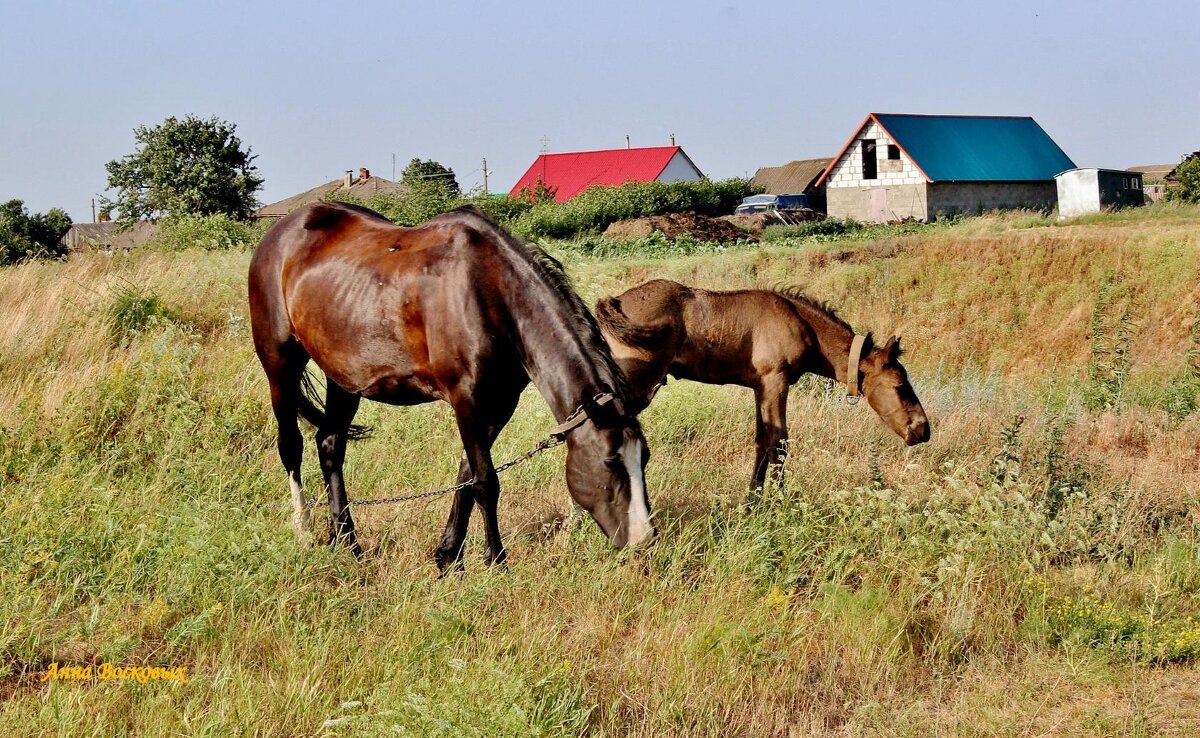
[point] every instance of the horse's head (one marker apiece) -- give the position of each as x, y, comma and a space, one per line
885, 385
606, 462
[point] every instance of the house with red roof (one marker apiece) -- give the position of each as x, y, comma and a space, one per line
569, 173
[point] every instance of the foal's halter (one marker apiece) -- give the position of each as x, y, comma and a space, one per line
853, 391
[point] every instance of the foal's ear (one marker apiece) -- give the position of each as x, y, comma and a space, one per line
891, 349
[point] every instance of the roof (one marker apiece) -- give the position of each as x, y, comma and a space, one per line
972, 148
361, 188
108, 235
570, 173
1098, 169
1153, 172
794, 176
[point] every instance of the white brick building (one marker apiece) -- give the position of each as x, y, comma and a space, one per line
897, 167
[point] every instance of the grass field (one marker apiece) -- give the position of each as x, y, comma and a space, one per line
1034, 570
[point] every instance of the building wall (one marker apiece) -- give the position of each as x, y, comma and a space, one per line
849, 169
848, 195
1117, 190
903, 201
952, 198
679, 169
1078, 193
1091, 190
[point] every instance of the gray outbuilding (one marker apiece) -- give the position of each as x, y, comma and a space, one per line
1093, 190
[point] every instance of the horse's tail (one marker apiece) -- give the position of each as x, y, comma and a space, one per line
312, 408
615, 322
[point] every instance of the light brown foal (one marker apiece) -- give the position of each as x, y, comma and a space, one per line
761, 339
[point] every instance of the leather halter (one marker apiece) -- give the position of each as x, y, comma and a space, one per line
580, 416
853, 391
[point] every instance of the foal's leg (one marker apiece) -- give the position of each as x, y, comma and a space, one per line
478, 435
340, 407
285, 394
770, 441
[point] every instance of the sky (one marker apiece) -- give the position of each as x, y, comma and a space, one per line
316, 88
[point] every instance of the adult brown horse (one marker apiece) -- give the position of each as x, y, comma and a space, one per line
759, 339
454, 310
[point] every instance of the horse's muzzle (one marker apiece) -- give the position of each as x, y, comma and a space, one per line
917, 432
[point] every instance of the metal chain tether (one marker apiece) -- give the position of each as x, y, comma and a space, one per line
557, 437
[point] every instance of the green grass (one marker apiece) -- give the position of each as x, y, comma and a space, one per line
1011, 578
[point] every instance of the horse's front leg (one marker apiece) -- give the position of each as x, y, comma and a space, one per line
449, 552
478, 426
771, 432
340, 407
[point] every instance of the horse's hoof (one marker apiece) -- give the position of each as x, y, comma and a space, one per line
447, 563
499, 561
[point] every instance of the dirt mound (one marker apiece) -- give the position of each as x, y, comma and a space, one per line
756, 222
674, 225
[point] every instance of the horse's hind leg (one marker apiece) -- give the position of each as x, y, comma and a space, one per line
770, 441
285, 398
340, 407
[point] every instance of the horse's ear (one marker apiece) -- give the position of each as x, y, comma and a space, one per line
892, 348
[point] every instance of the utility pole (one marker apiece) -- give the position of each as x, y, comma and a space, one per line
486, 191
93, 210
393, 167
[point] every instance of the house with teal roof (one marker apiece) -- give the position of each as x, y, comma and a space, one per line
924, 167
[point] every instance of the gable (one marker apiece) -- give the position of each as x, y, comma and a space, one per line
847, 171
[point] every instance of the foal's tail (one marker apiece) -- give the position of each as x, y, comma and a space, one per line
614, 321
312, 408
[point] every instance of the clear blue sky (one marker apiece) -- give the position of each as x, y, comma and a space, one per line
318, 88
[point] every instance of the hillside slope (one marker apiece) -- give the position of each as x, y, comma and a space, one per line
1032, 570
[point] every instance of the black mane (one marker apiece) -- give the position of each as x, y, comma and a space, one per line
555, 276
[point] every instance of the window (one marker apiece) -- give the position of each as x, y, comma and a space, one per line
1134, 183
893, 152
869, 165
1125, 182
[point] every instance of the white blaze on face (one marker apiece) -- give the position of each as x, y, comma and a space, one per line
639, 511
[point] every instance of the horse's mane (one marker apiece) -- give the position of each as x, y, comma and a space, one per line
812, 307
555, 276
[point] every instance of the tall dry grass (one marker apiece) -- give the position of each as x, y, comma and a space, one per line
1013, 576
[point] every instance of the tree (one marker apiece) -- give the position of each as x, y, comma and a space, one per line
24, 236
185, 167
427, 176
1188, 175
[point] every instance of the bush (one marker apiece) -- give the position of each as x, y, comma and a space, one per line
590, 212
209, 232
132, 311
829, 227
655, 245
1188, 174
596, 208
